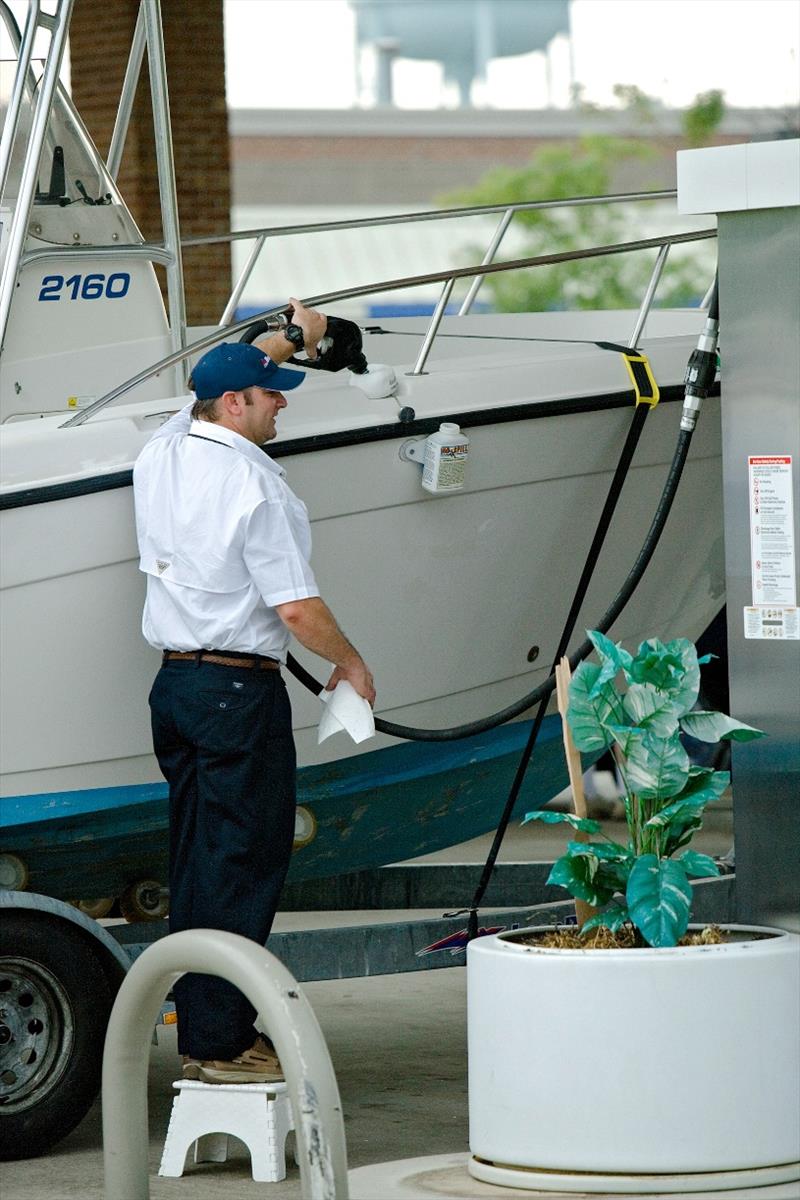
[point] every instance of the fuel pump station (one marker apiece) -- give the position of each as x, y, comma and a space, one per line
755, 190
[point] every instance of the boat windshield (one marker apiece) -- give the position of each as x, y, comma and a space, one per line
71, 172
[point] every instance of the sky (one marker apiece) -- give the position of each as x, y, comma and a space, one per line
672, 49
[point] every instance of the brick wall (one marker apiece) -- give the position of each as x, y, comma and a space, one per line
392, 157
193, 38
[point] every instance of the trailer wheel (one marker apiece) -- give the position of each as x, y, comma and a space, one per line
96, 909
144, 901
55, 1002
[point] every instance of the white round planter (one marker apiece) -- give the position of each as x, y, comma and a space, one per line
585, 1064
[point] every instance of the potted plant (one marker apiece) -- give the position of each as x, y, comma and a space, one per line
683, 1057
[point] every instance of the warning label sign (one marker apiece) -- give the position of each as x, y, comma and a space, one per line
772, 530
770, 623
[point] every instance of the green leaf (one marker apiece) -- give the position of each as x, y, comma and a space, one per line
702, 786
612, 918
655, 664
609, 866
678, 809
613, 658
686, 689
606, 851
672, 668
678, 828
659, 899
576, 873
657, 768
705, 783
555, 818
650, 708
683, 817
679, 833
615, 875
587, 712
699, 866
716, 726
625, 736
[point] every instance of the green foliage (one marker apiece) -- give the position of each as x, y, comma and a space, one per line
590, 166
613, 917
702, 118
714, 726
642, 106
642, 704
659, 899
556, 818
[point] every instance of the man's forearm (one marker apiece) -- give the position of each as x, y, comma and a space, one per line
276, 347
314, 626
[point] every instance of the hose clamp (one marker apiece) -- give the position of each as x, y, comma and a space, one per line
642, 378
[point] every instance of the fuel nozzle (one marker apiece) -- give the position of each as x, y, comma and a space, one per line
701, 369
342, 345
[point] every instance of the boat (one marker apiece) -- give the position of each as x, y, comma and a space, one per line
456, 600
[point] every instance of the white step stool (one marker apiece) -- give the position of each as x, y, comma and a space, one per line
207, 1114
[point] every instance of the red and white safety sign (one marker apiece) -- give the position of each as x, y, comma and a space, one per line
772, 553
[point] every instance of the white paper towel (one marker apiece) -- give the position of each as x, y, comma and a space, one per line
345, 709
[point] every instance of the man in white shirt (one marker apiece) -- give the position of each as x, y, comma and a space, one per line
225, 546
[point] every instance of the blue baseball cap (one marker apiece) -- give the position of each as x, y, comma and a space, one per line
233, 366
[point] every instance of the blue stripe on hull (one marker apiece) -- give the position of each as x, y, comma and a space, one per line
375, 808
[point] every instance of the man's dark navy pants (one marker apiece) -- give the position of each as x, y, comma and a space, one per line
223, 739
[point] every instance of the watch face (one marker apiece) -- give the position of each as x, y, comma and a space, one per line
295, 335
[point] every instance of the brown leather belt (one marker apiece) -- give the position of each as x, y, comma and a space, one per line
257, 661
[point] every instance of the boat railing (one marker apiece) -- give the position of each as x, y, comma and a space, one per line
507, 211
446, 278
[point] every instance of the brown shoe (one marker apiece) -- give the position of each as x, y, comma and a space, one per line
259, 1064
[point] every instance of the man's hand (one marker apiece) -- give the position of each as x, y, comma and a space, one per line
359, 676
312, 323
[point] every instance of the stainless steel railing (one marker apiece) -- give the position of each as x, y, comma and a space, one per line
447, 278
261, 235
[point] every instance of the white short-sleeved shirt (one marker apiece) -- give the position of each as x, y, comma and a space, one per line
222, 540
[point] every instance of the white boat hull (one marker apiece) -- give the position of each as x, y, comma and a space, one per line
445, 596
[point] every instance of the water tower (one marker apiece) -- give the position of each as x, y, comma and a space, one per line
463, 35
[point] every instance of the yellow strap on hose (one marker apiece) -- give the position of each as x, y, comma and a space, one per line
642, 378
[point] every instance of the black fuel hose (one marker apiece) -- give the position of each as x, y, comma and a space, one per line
603, 525
545, 689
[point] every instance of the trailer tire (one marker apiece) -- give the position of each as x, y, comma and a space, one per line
55, 1002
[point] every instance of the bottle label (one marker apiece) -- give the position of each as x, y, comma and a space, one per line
445, 467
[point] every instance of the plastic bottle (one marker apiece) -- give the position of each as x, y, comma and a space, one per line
445, 464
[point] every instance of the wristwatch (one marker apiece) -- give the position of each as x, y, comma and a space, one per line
294, 334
